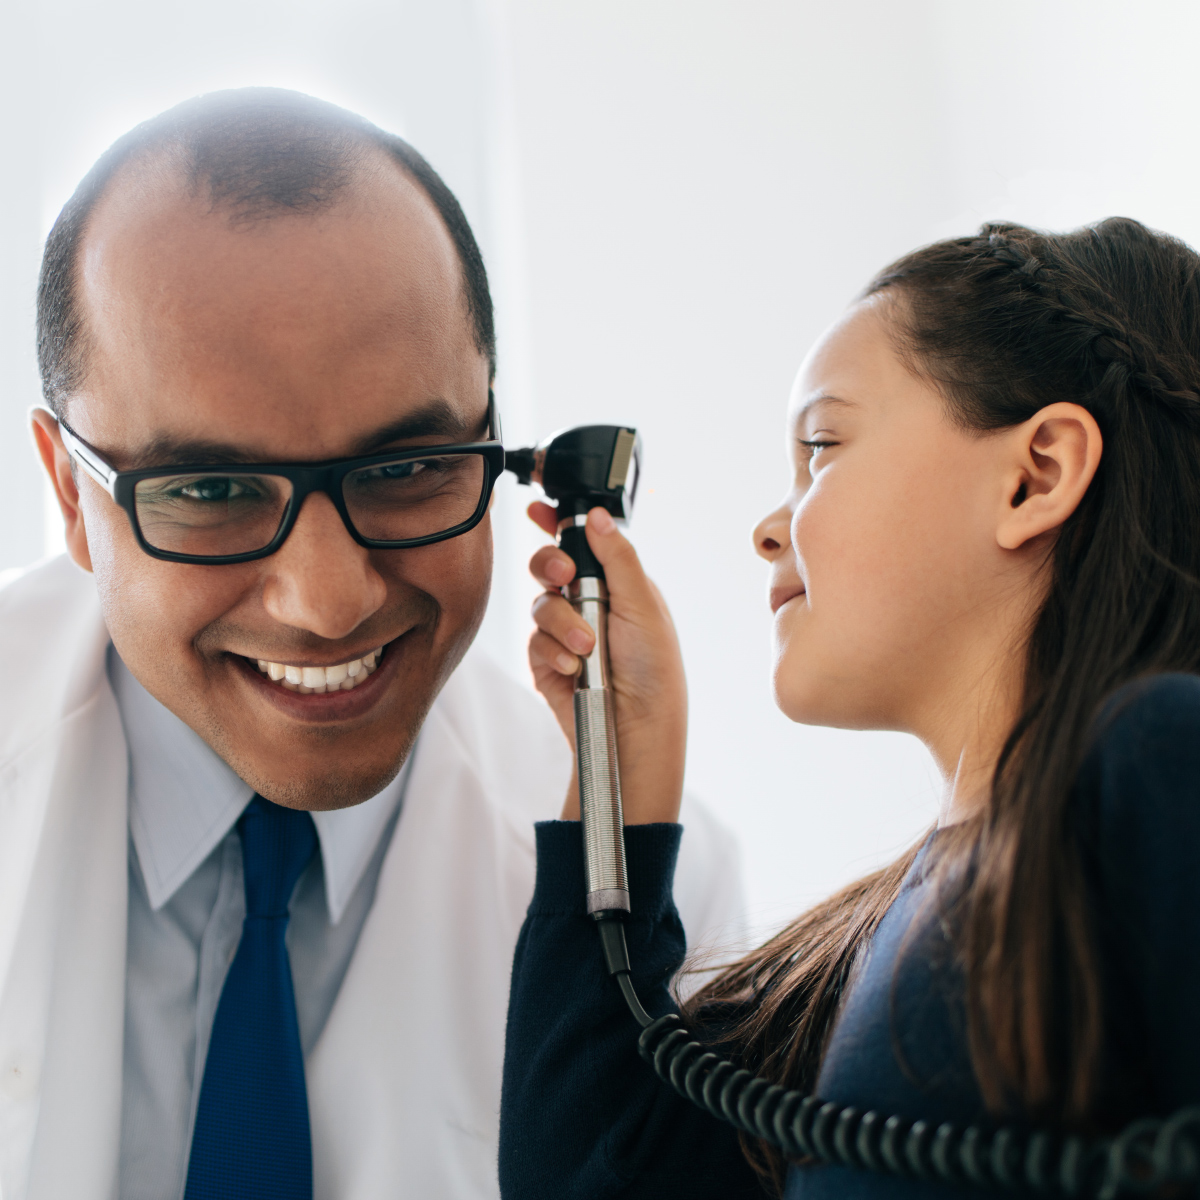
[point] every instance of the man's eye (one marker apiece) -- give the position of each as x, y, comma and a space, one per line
214, 490
400, 470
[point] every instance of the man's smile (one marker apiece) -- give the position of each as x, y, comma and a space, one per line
343, 696
345, 676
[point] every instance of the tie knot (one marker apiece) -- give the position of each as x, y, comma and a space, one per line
277, 844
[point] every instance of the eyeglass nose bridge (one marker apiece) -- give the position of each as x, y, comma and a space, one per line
310, 481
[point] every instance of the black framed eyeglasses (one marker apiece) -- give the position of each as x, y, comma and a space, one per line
237, 512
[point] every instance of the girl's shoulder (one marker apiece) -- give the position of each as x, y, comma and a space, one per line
1151, 724
1139, 787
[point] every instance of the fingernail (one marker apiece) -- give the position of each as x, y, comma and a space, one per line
602, 521
579, 641
558, 570
568, 664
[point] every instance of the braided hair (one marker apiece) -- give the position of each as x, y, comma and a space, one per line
1004, 324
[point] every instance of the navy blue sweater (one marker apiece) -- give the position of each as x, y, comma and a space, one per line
584, 1117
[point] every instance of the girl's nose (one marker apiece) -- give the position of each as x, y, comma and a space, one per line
771, 534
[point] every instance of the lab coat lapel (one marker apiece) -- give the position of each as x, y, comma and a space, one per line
63, 881
405, 1080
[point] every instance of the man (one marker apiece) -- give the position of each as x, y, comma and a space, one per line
265, 825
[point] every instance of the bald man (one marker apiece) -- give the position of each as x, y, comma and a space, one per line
265, 819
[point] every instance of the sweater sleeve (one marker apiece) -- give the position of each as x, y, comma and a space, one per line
1142, 779
582, 1115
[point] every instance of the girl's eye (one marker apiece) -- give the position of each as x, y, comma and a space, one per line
811, 448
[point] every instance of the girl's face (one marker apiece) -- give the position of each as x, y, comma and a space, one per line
892, 596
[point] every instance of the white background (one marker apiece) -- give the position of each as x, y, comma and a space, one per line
674, 197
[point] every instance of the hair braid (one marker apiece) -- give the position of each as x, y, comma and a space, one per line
1124, 355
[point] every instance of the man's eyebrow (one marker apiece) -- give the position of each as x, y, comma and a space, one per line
434, 419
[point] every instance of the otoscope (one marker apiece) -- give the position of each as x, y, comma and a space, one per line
580, 469
599, 465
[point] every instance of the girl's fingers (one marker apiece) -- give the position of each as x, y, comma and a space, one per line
552, 568
622, 567
544, 516
548, 652
556, 619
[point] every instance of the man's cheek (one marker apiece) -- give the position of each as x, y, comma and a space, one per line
102, 532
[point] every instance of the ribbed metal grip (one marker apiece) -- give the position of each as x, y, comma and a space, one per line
600, 801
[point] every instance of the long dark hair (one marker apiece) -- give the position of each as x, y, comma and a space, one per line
1004, 324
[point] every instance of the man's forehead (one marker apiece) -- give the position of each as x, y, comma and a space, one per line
435, 421
297, 331
157, 240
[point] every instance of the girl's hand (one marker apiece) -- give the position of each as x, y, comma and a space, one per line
649, 690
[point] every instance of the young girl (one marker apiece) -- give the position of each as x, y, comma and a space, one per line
991, 541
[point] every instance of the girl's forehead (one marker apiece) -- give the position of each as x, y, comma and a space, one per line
853, 360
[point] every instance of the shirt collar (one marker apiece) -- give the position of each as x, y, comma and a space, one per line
184, 798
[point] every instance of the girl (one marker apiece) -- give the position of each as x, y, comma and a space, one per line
991, 541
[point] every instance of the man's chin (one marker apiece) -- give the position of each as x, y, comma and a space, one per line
322, 773
324, 789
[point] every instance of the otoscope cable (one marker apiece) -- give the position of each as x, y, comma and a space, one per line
1147, 1157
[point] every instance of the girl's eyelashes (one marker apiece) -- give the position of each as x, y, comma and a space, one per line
811, 447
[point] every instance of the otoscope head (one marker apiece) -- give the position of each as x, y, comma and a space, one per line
582, 468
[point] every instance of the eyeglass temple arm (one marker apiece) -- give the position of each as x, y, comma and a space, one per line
494, 431
87, 458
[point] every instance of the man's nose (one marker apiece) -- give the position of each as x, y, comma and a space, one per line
321, 579
773, 533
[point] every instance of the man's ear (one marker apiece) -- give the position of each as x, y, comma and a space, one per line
1054, 456
57, 462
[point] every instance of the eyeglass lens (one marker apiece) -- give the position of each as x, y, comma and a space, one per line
210, 514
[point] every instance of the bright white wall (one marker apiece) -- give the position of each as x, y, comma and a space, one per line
674, 197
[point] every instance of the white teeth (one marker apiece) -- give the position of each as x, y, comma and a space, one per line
307, 680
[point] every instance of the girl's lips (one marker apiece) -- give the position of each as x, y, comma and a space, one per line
781, 595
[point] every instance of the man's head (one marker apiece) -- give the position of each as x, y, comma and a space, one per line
261, 277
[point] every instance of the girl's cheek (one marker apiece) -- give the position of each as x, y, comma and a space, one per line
813, 525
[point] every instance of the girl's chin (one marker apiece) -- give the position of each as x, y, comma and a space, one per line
813, 697
798, 701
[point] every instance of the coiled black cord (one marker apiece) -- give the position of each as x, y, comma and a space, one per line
1146, 1157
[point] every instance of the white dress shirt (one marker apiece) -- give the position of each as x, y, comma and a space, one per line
186, 906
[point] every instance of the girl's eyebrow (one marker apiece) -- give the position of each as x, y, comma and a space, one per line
821, 399
816, 407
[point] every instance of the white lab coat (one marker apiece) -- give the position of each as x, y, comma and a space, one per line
404, 1083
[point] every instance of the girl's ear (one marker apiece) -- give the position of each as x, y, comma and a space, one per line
57, 462
1054, 456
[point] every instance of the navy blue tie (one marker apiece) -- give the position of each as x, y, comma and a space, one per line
251, 1140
